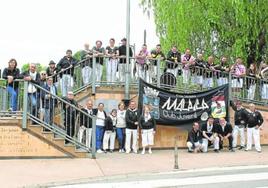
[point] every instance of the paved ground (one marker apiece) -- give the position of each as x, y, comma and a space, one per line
19, 173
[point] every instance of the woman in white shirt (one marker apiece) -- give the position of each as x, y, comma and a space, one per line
121, 126
101, 115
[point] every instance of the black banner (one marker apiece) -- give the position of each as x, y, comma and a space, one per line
182, 109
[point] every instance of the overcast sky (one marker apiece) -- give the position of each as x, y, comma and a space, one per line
42, 30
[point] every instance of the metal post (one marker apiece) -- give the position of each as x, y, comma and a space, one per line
230, 86
127, 50
94, 76
176, 163
93, 149
25, 105
158, 72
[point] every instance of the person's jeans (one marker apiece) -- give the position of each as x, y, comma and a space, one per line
99, 136
120, 132
32, 101
14, 96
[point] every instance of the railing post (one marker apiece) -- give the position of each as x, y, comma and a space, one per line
158, 72
176, 152
25, 105
94, 75
93, 148
230, 86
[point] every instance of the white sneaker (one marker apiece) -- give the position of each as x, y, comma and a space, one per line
135, 151
120, 151
143, 152
150, 151
127, 151
99, 151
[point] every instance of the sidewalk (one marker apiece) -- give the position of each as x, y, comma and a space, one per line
26, 172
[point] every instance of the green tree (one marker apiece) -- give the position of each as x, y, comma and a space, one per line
39, 67
230, 27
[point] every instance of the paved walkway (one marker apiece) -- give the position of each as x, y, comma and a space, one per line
26, 172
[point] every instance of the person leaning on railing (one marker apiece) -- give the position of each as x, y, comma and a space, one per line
51, 72
251, 79
98, 52
174, 58
86, 56
33, 77
112, 63
11, 74
65, 68
198, 70
188, 61
222, 70
238, 71
209, 72
264, 81
141, 61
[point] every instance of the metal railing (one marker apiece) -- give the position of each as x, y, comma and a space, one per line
53, 113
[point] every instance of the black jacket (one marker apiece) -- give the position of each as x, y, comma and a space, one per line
48, 102
51, 73
209, 133
123, 52
194, 136
172, 57
227, 129
16, 75
240, 116
131, 118
85, 120
108, 124
37, 79
65, 63
150, 124
254, 119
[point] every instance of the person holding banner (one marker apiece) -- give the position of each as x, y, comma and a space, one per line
194, 140
210, 135
131, 127
147, 125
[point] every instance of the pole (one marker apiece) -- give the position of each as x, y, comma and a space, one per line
93, 149
25, 105
94, 76
144, 36
176, 152
127, 55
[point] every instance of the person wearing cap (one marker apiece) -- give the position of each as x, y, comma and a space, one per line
210, 136
240, 121
254, 123
194, 139
109, 134
66, 69
69, 115
225, 133
51, 72
122, 61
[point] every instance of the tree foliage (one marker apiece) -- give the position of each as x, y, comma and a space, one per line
39, 67
230, 27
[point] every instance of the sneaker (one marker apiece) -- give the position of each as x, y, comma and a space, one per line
259, 151
241, 147
190, 151
127, 151
231, 150
111, 151
135, 151
99, 151
123, 150
120, 151
247, 149
150, 151
143, 152
216, 151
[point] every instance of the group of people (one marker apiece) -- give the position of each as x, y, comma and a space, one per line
121, 123
215, 131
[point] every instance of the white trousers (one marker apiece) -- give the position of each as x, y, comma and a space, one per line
173, 71
111, 70
185, 76
196, 144
86, 74
208, 83
121, 72
147, 136
264, 91
251, 91
221, 81
140, 71
237, 83
129, 133
99, 68
108, 136
215, 142
81, 131
66, 84
256, 136
241, 132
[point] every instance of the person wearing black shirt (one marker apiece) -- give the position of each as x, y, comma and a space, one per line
194, 140
148, 126
122, 61
66, 67
11, 74
254, 123
131, 127
86, 123
208, 81
70, 115
199, 69
225, 133
222, 70
86, 64
173, 62
156, 54
240, 119
51, 72
98, 52
210, 135
112, 52
251, 81
109, 133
